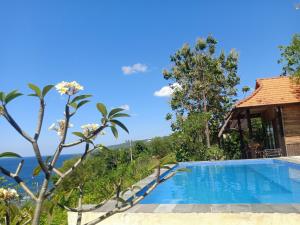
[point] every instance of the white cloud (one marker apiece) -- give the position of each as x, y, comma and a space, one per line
125, 107
167, 91
135, 68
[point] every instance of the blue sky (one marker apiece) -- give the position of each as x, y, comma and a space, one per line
90, 41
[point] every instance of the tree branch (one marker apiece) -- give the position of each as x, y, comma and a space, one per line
35, 146
64, 136
14, 124
16, 177
39, 158
83, 210
130, 204
89, 137
69, 171
57, 172
40, 119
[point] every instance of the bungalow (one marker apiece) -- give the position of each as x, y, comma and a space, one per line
268, 120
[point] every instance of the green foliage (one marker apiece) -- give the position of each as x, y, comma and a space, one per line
203, 82
103, 169
245, 89
290, 57
160, 146
140, 147
231, 145
189, 138
214, 153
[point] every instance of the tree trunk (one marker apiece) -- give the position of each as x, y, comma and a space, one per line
79, 217
206, 121
39, 203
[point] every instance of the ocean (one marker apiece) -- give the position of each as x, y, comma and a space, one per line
30, 164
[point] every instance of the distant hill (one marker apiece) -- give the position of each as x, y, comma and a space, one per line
126, 144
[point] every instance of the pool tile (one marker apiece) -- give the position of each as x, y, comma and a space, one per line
284, 208
165, 208
236, 208
202, 208
183, 208
296, 207
261, 208
220, 208
134, 209
146, 208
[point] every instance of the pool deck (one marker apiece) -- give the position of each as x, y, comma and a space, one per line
165, 214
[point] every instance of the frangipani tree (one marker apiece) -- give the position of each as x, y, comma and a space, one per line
86, 137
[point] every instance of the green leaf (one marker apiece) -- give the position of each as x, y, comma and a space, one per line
120, 115
82, 103
102, 108
79, 134
46, 89
2, 96
80, 97
35, 88
38, 169
114, 131
74, 105
9, 154
12, 95
120, 125
114, 111
33, 95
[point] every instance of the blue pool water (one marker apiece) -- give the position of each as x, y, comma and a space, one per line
231, 182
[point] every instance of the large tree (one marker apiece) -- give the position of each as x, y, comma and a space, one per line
203, 82
290, 57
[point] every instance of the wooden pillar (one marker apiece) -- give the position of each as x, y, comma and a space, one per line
242, 144
249, 124
281, 131
279, 115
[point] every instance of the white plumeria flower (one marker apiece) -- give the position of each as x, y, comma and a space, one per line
68, 88
8, 194
88, 129
59, 127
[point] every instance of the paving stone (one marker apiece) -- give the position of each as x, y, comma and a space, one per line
165, 208
261, 208
236, 208
206, 208
183, 208
296, 207
110, 205
220, 208
134, 209
146, 208
283, 208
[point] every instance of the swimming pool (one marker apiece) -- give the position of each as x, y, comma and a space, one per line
231, 182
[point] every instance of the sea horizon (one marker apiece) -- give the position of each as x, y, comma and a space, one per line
26, 174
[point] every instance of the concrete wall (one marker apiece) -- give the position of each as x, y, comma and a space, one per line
192, 219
